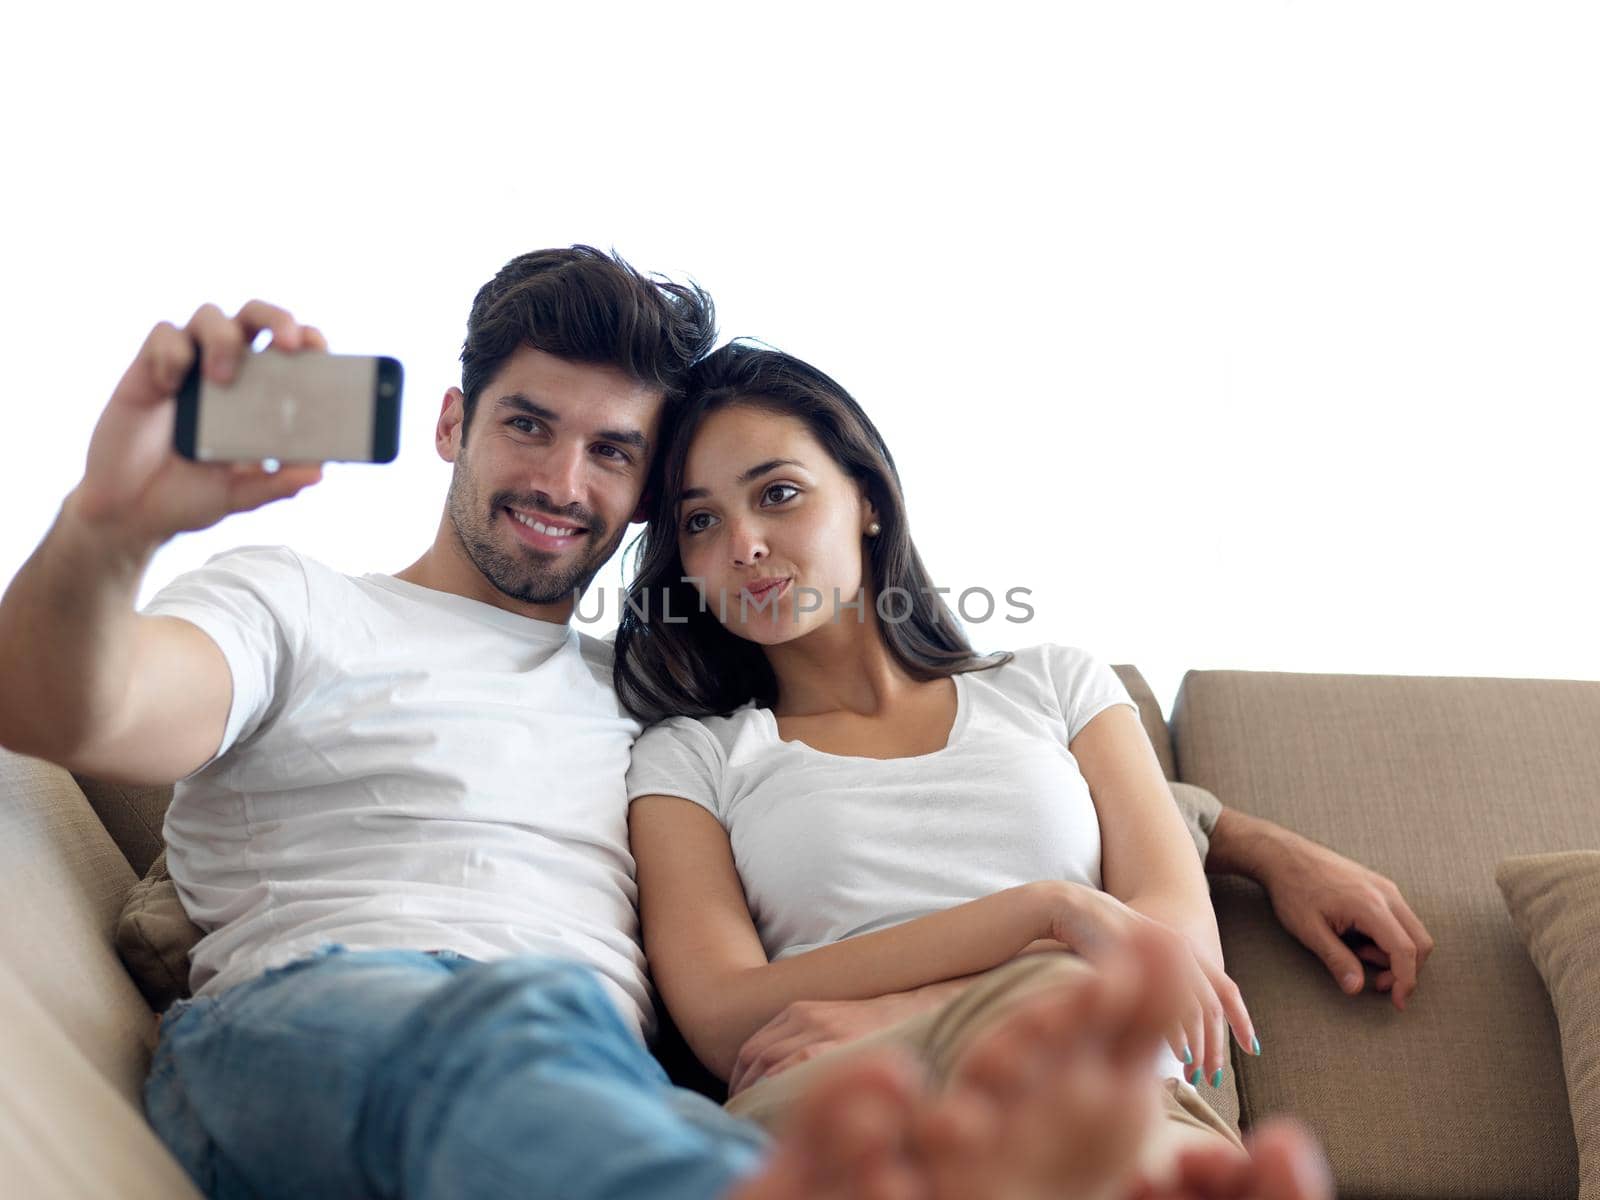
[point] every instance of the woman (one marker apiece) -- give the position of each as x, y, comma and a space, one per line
842, 801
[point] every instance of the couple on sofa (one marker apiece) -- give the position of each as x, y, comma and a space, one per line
932, 912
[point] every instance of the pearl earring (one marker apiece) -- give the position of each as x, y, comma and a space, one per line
874, 529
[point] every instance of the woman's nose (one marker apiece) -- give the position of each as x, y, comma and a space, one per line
747, 544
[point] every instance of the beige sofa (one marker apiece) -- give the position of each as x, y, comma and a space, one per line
1431, 781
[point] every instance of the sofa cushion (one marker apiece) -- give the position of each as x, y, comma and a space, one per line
65, 1132
1554, 900
1149, 715
1431, 782
155, 935
62, 883
133, 816
1200, 810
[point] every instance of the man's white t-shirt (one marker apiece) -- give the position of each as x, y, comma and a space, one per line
833, 846
402, 767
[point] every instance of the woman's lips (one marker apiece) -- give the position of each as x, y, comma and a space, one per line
766, 593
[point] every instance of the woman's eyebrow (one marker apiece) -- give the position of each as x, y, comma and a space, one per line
754, 472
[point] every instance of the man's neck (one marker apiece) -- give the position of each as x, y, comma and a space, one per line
445, 567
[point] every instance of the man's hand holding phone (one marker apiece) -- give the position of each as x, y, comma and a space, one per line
85, 679
136, 489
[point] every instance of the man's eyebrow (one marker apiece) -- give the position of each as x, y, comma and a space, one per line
521, 403
633, 438
753, 473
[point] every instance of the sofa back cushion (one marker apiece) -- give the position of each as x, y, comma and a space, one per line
1431, 782
62, 883
1554, 902
133, 815
1149, 715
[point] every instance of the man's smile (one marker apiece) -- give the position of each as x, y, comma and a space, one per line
545, 533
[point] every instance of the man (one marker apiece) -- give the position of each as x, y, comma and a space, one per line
401, 816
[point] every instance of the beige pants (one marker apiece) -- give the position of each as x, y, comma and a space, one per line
940, 1036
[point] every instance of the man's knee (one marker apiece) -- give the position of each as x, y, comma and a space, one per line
524, 1015
543, 1031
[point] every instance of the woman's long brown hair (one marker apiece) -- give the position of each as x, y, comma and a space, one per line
673, 657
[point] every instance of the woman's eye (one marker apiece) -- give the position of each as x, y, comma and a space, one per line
697, 522
779, 492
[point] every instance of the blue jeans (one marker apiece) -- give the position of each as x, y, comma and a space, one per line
384, 1073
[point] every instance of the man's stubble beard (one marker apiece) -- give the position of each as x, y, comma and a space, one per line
520, 576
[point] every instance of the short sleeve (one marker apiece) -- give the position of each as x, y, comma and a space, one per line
678, 757
253, 603
1085, 687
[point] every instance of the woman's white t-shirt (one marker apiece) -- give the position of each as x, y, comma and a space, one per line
833, 846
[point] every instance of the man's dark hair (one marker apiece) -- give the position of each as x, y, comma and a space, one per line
586, 306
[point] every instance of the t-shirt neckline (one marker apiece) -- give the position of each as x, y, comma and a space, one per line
475, 610
769, 722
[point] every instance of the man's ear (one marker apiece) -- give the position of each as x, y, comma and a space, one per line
449, 431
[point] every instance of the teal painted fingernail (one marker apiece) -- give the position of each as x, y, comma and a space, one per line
1216, 1080
1195, 1079
1188, 1058
1255, 1045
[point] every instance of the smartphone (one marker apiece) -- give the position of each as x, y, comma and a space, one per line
293, 408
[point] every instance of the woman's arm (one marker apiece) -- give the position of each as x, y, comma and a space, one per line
709, 964
1147, 858
1147, 861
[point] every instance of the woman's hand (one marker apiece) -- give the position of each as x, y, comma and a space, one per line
806, 1028
1097, 925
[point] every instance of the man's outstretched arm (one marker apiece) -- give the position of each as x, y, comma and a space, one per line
1320, 897
86, 681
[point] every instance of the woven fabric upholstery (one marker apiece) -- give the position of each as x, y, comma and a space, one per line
62, 884
1554, 900
1430, 782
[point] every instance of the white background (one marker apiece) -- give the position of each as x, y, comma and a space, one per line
1246, 335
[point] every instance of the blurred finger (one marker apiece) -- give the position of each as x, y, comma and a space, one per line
258, 315
222, 343
1286, 1161
1217, 1174
311, 339
248, 490
802, 1055
155, 373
